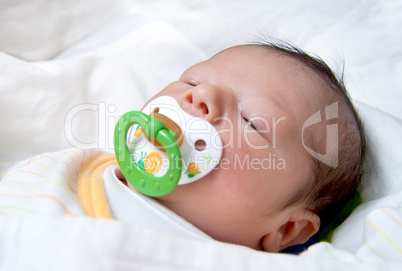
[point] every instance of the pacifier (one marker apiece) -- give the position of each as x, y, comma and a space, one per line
163, 146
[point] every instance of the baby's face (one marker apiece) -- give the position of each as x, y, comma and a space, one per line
258, 101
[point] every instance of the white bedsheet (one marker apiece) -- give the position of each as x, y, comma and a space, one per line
68, 69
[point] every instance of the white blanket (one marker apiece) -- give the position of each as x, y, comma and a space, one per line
69, 69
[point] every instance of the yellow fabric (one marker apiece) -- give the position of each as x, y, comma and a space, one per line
91, 189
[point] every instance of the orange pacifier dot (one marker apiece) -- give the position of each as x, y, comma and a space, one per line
193, 168
153, 162
138, 132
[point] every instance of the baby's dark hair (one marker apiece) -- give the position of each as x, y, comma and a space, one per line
332, 186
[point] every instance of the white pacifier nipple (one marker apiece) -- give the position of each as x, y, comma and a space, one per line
199, 142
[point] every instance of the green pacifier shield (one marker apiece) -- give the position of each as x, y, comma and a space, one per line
138, 177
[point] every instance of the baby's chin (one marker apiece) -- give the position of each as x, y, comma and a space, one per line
175, 195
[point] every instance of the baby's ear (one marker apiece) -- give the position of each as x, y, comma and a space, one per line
301, 225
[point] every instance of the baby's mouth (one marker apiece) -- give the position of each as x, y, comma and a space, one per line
186, 122
165, 146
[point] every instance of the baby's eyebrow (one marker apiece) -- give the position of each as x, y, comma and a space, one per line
279, 102
272, 104
276, 110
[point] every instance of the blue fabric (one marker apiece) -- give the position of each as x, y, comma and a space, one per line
300, 248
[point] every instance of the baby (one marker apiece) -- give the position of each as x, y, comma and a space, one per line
266, 101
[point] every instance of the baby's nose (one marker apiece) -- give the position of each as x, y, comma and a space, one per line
207, 101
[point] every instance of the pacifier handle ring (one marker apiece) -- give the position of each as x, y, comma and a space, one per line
137, 177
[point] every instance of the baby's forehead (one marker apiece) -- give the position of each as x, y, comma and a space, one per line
269, 63
291, 67
248, 51
253, 56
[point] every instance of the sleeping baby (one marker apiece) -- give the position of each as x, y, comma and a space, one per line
265, 101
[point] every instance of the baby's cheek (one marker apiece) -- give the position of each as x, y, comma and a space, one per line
254, 141
130, 186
